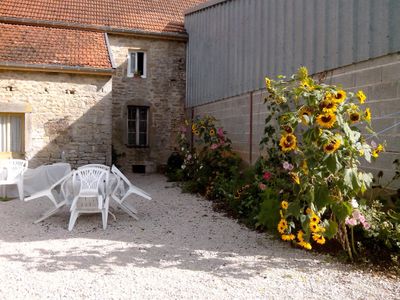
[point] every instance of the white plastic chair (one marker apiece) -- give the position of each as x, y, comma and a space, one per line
57, 198
104, 167
123, 190
92, 195
12, 172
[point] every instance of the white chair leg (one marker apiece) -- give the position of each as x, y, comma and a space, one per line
72, 219
50, 212
129, 212
104, 214
20, 186
47, 214
130, 207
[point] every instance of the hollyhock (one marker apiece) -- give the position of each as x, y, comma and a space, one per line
262, 186
267, 176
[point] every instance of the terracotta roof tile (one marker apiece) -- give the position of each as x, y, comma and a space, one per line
42, 45
144, 15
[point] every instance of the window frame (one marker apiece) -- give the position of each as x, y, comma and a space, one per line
129, 71
11, 154
137, 133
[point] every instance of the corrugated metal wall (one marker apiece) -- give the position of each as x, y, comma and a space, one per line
235, 44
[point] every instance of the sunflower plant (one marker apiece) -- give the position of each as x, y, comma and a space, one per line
320, 135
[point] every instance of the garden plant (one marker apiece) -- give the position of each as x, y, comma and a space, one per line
307, 184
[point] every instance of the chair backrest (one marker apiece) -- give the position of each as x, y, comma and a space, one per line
104, 167
90, 179
119, 174
13, 168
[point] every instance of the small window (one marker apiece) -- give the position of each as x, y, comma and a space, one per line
137, 64
11, 135
138, 117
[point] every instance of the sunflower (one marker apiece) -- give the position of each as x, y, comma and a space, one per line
288, 142
354, 116
305, 245
288, 129
309, 211
306, 85
377, 150
367, 115
328, 105
194, 128
295, 177
361, 96
318, 238
300, 234
284, 204
340, 96
332, 146
268, 82
305, 111
282, 226
196, 132
326, 120
314, 227
288, 237
314, 218
212, 132
304, 167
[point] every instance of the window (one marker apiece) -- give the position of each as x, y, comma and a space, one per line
137, 64
11, 135
138, 117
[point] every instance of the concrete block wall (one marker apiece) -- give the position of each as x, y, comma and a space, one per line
234, 115
379, 78
67, 112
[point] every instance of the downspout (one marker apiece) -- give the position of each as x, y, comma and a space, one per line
251, 130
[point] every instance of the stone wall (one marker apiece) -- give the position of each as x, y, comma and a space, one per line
163, 90
379, 78
68, 112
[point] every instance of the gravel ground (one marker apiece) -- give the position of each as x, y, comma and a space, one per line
179, 249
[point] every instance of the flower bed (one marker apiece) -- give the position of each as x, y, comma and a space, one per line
308, 185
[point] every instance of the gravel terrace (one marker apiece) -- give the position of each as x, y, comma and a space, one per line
179, 249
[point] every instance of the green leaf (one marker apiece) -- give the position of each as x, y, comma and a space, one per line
331, 229
351, 179
293, 209
331, 164
342, 210
322, 197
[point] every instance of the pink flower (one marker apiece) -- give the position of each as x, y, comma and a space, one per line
362, 219
220, 132
366, 225
287, 166
267, 176
183, 129
373, 144
356, 214
351, 221
214, 146
262, 186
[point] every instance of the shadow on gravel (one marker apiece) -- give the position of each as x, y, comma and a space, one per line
182, 233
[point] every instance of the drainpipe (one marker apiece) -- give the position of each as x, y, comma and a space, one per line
191, 132
251, 130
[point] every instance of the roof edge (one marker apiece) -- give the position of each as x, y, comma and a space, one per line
55, 68
98, 28
110, 55
203, 6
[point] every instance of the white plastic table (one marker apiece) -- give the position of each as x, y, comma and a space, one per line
40, 178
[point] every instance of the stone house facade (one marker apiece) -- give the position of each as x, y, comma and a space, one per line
92, 81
